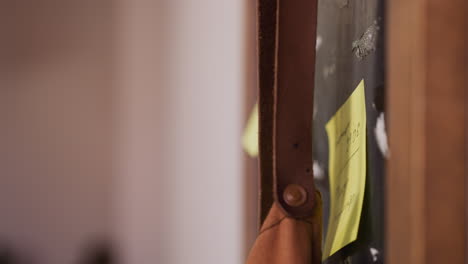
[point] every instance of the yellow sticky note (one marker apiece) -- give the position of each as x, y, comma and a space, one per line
347, 171
250, 137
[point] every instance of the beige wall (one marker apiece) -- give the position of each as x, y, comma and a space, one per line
122, 119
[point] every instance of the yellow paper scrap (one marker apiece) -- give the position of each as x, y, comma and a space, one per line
347, 167
250, 137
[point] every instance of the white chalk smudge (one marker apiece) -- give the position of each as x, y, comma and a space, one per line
342, 3
329, 70
318, 42
314, 114
381, 135
375, 254
318, 171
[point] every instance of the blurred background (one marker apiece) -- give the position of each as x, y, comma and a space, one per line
120, 131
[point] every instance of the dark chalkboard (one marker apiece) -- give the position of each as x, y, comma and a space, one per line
350, 47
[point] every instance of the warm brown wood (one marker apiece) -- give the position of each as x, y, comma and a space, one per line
426, 180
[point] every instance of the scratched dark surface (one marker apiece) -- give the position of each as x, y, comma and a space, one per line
350, 48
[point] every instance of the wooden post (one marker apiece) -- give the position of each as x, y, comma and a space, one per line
427, 70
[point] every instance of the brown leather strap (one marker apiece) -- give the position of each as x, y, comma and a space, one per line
266, 73
287, 34
294, 92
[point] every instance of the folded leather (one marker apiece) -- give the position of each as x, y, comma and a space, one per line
283, 239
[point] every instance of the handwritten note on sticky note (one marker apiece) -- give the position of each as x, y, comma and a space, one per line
347, 171
250, 137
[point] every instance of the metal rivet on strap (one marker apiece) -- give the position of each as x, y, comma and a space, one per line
295, 195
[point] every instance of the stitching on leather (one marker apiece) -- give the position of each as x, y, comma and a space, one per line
279, 222
272, 225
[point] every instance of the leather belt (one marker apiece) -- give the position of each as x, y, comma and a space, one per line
287, 35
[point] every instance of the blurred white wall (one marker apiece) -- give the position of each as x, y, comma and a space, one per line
122, 119
206, 82
180, 103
